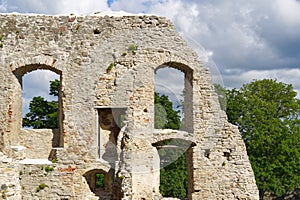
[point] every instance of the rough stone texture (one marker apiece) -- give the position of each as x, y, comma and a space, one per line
167, 134
37, 143
107, 66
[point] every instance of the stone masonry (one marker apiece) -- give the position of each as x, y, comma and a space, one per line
106, 66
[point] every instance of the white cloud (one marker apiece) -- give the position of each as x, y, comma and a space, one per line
55, 6
37, 83
3, 6
250, 39
288, 11
135, 6
235, 79
239, 40
170, 81
163, 84
241, 34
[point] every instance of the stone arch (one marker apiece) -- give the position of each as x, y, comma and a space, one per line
188, 87
175, 142
41, 60
55, 136
21, 71
177, 65
101, 183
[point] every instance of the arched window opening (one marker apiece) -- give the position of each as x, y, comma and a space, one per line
174, 81
37, 110
169, 98
40, 90
100, 183
175, 167
173, 110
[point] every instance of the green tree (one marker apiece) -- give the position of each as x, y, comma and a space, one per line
43, 113
267, 115
165, 116
100, 181
54, 87
173, 177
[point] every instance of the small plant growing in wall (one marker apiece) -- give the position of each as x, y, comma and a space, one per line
121, 177
110, 67
77, 27
132, 48
238, 181
49, 168
41, 187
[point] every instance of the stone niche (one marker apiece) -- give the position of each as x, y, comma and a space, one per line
111, 120
106, 146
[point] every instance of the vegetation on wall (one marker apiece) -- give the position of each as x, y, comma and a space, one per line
1, 44
41, 187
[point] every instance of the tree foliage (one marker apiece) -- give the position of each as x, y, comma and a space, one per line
43, 113
165, 116
267, 115
54, 87
100, 181
173, 177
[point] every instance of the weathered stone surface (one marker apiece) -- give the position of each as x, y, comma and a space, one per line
106, 112
168, 134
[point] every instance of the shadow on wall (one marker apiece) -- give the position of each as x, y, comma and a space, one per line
110, 122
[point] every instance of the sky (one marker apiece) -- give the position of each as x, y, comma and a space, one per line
239, 40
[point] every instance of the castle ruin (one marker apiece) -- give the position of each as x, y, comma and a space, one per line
106, 67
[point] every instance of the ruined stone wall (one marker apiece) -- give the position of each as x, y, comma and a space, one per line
109, 63
37, 143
